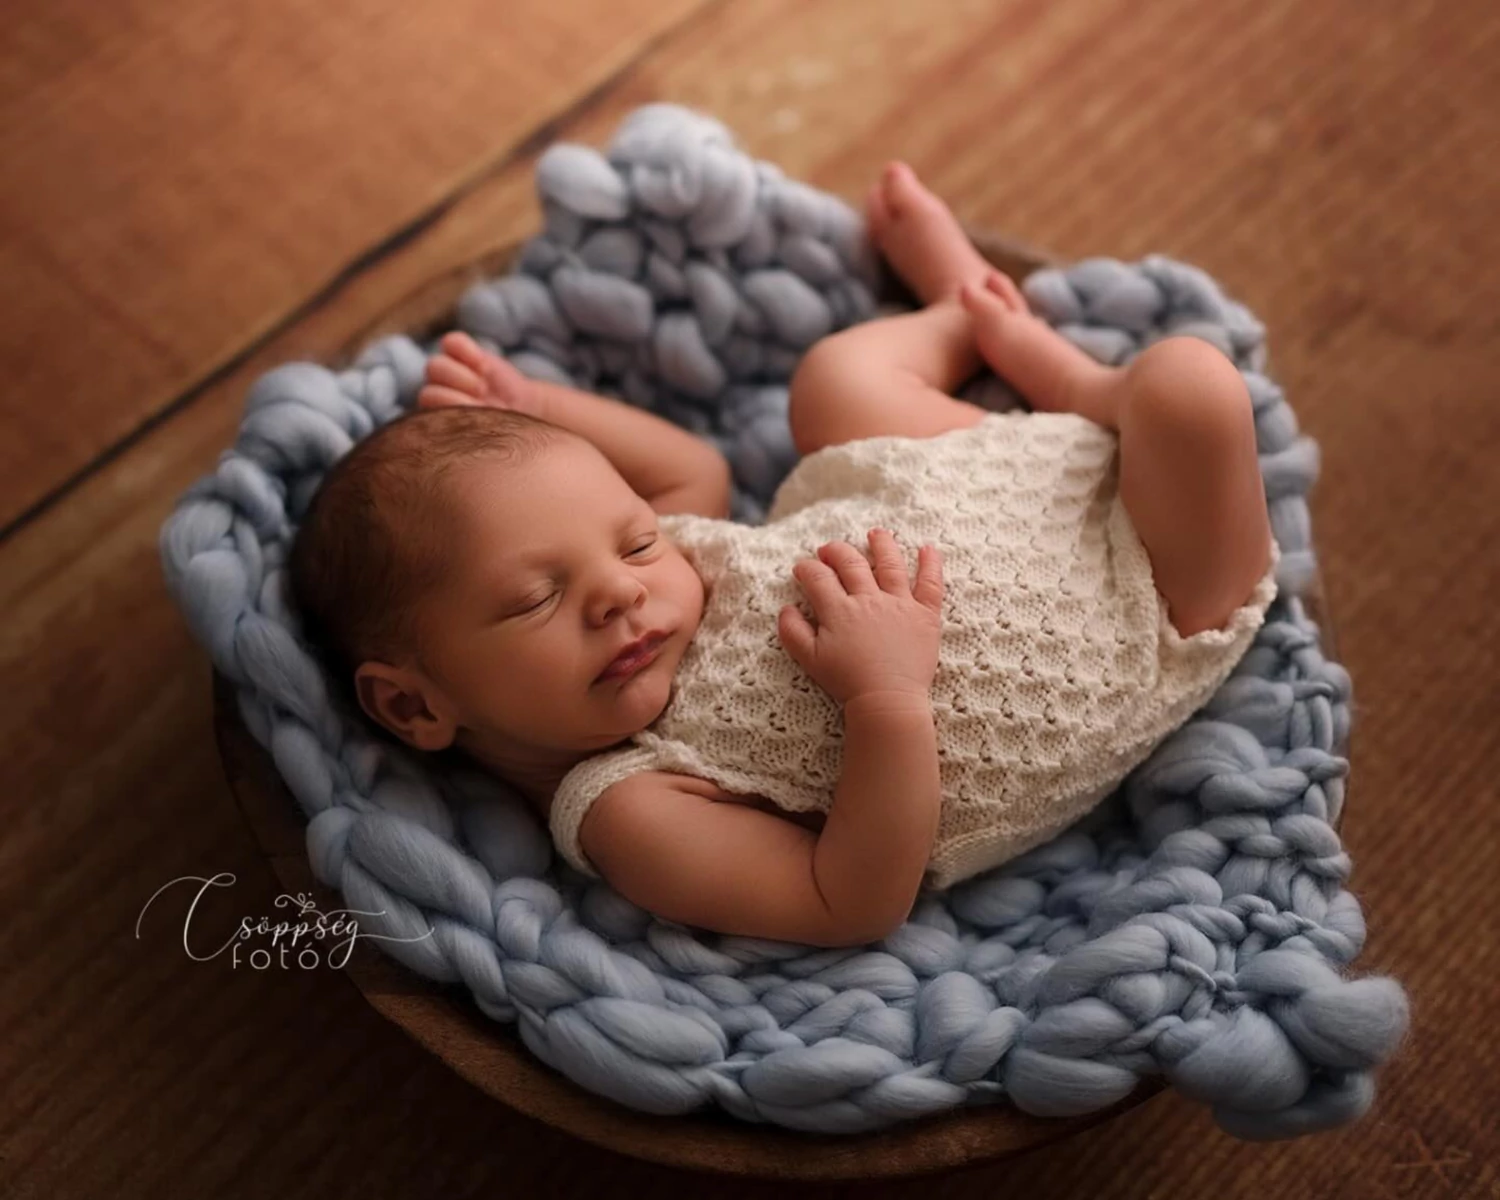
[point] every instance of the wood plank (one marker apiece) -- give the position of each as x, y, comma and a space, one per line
1327, 165
183, 174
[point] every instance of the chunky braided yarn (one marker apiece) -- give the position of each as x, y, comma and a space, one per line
1195, 926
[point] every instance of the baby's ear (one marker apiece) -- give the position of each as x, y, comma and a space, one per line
397, 702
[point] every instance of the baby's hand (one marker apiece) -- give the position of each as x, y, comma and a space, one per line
465, 373
875, 632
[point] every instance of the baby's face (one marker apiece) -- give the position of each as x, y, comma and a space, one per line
559, 565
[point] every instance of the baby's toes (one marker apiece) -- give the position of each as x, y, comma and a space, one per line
904, 193
982, 304
876, 214
1003, 286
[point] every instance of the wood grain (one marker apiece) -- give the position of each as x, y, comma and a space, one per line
1329, 164
183, 174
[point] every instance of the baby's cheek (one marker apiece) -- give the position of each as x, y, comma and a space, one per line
696, 588
483, 669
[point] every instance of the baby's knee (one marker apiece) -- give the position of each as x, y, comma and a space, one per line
1186, 390
812, 391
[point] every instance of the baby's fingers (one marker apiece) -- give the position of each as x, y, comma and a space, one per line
820, 582
890, 565
797, 635
434, 396
449, 372
929, 585
461, 346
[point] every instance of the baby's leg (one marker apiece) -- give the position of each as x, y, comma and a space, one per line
1189, 468
893, 376
1190, 479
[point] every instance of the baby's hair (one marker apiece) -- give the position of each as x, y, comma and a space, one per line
370, 546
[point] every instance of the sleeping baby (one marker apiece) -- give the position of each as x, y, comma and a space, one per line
956, 632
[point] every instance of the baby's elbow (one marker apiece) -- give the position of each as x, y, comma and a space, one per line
721, 477
877, 930
719, 500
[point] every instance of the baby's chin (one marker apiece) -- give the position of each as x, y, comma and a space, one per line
641, 697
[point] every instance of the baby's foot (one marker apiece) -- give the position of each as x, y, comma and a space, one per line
1050, 372
920, 236
1003, 288
465, 373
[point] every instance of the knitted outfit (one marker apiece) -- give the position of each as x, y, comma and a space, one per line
1058, 668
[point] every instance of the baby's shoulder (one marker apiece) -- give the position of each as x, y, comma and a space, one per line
675, 781
690, 785
679, 785
641, 794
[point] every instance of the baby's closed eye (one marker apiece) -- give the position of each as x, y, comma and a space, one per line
534, 601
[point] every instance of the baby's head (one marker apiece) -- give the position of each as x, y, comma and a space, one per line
467, 573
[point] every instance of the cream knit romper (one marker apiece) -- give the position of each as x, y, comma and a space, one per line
1058, 668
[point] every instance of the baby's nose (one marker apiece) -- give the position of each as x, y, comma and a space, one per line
620, 598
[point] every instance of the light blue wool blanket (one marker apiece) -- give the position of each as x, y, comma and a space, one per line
1196, 926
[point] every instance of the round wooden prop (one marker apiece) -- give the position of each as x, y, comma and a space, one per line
491, 1055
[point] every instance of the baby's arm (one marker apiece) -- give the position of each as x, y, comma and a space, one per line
673, 469
733, 869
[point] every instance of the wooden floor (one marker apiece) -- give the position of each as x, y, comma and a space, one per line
196, 191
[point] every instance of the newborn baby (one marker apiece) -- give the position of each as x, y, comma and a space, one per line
787, 730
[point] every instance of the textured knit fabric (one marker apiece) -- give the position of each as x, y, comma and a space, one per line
1058, 671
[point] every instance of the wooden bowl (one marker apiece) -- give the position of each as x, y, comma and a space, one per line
490, 1055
